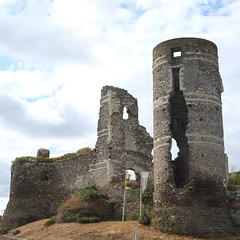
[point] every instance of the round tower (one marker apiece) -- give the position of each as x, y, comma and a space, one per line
190, 191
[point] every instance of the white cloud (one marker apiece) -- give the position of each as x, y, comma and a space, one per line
58, 54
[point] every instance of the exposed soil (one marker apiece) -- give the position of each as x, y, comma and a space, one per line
94, 231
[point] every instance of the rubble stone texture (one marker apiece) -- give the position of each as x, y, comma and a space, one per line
190, 190
38, 189
122, 143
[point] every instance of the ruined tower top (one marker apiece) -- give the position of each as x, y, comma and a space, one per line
181, 47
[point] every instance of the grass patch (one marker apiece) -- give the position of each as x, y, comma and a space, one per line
85, 150
82, 151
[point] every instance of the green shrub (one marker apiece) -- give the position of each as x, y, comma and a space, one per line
134, 216
147, 196
84, 150
91, 193
145, 218
3, 230
234, 178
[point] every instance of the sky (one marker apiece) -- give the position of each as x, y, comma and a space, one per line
56, 55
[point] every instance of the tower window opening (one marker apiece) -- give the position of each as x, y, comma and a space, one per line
125, 113
176, 79
177, 54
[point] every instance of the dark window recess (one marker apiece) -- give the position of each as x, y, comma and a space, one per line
176, 79
178, 126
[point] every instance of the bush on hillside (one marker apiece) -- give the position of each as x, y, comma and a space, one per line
145, 218
91, 193
3, 230
86, 205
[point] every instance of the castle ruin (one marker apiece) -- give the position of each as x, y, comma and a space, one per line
191, 195
190, 190
38, 189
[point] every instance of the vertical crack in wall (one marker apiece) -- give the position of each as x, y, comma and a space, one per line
178, 126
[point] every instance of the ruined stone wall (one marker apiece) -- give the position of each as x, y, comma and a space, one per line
122, 143
190, 192
38, 189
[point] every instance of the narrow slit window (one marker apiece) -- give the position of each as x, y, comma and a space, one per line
176, 79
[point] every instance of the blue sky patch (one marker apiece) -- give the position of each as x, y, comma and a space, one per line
211, 8
7, 63
139, 11
35, 99
18, 7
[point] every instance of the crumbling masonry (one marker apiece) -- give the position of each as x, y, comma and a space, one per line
190, 190
191, 195
38, 189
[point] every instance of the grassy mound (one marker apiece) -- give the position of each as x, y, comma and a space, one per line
85, 206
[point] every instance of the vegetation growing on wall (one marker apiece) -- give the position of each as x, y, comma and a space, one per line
81, 151
147, 200
147, 196
234, 178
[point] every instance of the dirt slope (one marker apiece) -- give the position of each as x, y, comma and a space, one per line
94, 231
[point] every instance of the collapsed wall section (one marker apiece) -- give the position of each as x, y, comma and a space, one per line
122, 142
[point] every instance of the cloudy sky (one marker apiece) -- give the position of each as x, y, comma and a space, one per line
55, 56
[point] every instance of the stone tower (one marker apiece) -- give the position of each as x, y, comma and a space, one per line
190, 192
